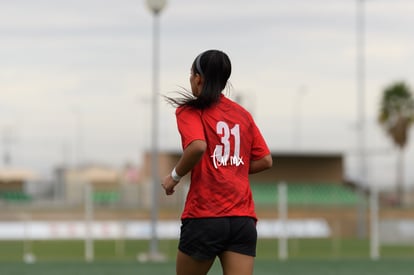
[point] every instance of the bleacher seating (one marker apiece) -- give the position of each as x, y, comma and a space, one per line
305, 194
106, 197
14, 196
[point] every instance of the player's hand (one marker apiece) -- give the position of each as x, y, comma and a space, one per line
169, 184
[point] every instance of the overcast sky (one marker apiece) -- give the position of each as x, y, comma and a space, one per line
75, 76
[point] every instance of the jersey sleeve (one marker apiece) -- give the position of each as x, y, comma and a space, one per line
259, 146
189, 125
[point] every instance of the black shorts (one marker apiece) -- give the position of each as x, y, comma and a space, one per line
206, 238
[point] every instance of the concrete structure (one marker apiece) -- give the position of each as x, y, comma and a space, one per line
304, 167
287, 166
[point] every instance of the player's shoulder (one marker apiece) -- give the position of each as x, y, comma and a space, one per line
235, 107
186, 110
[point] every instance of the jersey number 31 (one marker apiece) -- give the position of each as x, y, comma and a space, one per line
222, 151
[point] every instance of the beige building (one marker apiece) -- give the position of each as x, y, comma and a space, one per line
13, 183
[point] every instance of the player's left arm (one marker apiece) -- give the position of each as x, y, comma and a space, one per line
261, 158
260, 165
191, 156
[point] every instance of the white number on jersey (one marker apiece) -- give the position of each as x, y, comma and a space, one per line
221, 156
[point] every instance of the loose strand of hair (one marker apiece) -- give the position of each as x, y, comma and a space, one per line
184, 98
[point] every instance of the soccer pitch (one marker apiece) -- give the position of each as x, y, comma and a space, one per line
262, 267
311, 257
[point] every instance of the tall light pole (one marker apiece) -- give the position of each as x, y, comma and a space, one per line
297, 117
8, 138
155, 6
78, 137
360, 87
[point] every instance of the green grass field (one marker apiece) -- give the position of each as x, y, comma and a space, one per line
310, 257
267, 249
262, 267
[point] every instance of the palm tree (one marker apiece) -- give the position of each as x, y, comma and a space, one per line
396, 116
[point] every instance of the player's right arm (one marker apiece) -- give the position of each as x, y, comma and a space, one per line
191, 156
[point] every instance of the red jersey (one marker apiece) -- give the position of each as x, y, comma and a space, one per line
220, 181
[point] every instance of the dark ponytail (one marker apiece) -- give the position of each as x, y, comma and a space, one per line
215, 68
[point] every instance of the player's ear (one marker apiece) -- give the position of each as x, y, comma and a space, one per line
199, 80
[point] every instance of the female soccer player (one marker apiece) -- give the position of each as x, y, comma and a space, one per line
221, 147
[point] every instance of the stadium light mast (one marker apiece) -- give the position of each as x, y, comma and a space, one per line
297, 117
361, 119
155, 6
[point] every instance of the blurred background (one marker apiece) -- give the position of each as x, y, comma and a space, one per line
328, 82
